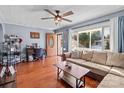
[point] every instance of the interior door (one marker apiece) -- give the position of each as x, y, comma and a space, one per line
51, 44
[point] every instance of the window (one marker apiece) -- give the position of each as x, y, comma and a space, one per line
84, 39
95, 38
107, 38
74, 40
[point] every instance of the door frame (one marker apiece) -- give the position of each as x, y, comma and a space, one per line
57, 42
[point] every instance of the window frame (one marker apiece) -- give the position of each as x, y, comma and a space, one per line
95, 29
109, 38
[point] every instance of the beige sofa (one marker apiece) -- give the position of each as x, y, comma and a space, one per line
107, 64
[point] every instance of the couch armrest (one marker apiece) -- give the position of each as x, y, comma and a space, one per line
67, 54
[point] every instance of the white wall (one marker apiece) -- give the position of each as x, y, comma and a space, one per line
93, 26
1, 33
24, 33
114, 34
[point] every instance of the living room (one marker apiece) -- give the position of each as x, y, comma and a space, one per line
61, 46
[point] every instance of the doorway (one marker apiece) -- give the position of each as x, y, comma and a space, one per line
59, 44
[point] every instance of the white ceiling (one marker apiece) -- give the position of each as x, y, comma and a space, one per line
29, 15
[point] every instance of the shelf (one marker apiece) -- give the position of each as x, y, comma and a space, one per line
6, 80
69, 80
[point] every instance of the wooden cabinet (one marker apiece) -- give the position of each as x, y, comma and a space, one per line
36, 53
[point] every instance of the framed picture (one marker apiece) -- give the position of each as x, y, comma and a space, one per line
35, 35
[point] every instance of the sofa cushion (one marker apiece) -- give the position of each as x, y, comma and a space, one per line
89, 64
117, 71
87, 55
99, 57
76, 54
112, 58
76, 61
112, 81
115, 59
96, 66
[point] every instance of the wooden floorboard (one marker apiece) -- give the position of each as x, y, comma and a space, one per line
42, 74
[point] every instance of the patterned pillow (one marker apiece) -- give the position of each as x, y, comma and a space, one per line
76, 54
87, 55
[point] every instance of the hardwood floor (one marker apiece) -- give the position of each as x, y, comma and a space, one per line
42, 74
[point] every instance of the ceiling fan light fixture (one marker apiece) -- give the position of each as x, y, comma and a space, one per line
57, 17
57, 20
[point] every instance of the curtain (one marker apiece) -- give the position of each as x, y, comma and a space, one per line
121, 34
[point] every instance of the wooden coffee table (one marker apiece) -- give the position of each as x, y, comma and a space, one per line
76, 71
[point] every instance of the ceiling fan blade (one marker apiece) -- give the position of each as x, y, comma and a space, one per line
49, 12
66, 20
67, 13
47, 18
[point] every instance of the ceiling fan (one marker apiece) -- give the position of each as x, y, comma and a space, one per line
57, 17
